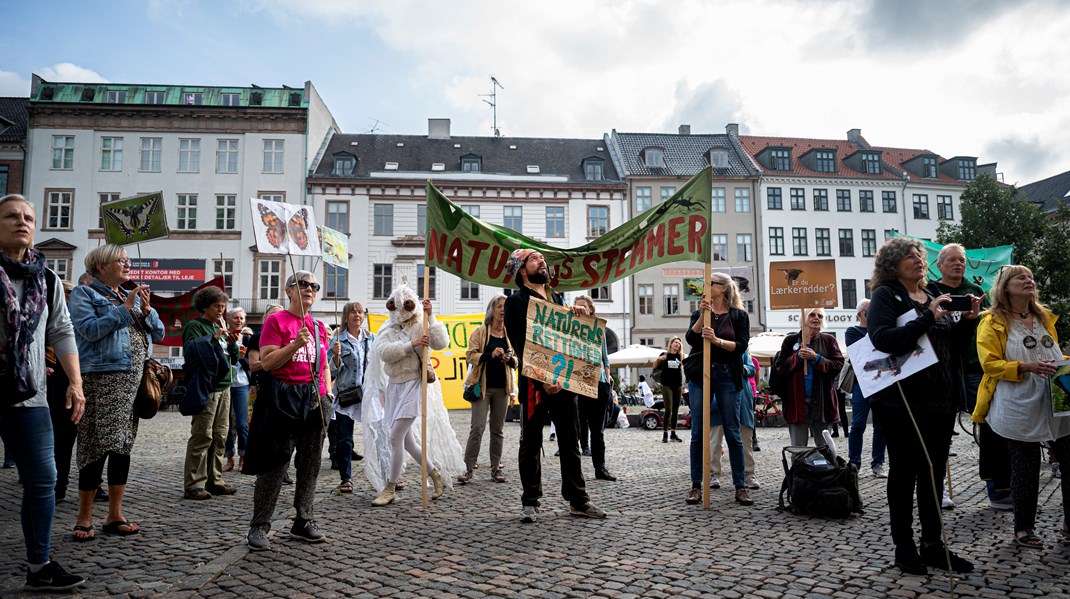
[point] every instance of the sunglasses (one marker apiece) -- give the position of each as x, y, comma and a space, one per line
308, 285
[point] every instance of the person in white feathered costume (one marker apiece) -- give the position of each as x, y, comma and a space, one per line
392, 401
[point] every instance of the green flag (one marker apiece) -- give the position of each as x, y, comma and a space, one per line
676, 230
135, 219
982, 264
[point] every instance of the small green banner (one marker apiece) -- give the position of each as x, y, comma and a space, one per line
982, 264
135, 219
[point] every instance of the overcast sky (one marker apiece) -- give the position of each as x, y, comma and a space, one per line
985, 78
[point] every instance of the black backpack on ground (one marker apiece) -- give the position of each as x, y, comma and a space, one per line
818, 484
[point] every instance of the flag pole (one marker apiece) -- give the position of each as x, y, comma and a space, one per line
423, 393
804, 336
706, 394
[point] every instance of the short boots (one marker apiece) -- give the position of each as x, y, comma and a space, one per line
675, 438
386, 497
665, 437
440, 485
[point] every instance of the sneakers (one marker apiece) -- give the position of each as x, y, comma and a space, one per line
197, 494
752, 483
52, 577
585, 451
286, 480
588, 510
743, 497
498, 476
307, 531
529, 514
879, 472
222, 490
946, 503
1056, 472
258, 540
1003, 504
603, 474
694, 496
714, 483
674, 438
465, 478
935, 557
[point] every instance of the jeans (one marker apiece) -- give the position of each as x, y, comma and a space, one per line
239, 420
27, 435
859, 417
343, 448
723, 389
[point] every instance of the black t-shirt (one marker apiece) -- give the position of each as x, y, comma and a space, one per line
252, 343
672, 371
494, 368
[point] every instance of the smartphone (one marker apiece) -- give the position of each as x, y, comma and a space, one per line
958, 303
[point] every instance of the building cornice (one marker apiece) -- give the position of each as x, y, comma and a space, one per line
164, 118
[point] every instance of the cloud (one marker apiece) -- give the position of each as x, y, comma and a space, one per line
915, 26
11, 84
707, 108
1029, 159
71, 73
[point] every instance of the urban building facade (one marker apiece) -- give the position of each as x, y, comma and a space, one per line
13, 121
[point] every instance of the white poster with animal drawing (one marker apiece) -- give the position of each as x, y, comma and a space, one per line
282, 228
876, 370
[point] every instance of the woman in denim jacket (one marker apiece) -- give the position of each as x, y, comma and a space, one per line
114, 329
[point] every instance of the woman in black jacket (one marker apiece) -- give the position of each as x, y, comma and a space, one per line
728, 334
932, 395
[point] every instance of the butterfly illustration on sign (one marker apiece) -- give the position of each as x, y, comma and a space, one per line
134, 219
283, 228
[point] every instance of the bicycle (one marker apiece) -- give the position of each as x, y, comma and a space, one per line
768, 408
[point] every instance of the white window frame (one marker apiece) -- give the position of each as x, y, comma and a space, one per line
62, 152
742, 200
645, 295
383, 221
744, 247
226, 156
59, 209
104, 196
671, 293
226, 211
269, 279
111, 154
555, 221
150, 156
273, 156
186, 212
189, 155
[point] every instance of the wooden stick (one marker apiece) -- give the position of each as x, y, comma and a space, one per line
312, 359
706, 383
950, 491
803, 337
423, 391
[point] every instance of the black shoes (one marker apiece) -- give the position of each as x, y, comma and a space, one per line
934, 557
673, 437
664, 437
307, 531
101, 496
52, 577
286, 480
585, 451
603, 474
908, 560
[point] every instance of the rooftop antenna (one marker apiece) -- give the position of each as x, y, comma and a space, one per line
375, 127
493, 101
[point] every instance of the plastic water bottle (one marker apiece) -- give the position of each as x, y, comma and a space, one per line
825, 434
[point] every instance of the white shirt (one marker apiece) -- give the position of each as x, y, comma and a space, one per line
648, 395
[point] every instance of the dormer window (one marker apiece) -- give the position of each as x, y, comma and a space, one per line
654, 157
471, 164
826, 161
192, 98
871, 163
967, 169
344, 163
781, 159
928, 167
116, 96
594, 169
719, 158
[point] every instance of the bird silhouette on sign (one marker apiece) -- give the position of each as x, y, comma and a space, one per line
791, 275
686, 203
743, 283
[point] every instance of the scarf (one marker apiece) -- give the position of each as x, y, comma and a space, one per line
22, 319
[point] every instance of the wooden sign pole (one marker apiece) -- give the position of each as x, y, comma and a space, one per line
423, 393
706, 385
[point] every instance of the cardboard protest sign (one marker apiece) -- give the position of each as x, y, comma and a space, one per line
1060, 389
563, 348
335, 247
281, 228
742, 275
135, 219
802, 284
875, 370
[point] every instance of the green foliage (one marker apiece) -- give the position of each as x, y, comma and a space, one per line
1050, 269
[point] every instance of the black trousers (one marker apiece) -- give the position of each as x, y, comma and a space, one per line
593, 412
909, 471
1025, 461
563, 410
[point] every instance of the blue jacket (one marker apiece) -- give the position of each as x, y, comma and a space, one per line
102, 329
205, 364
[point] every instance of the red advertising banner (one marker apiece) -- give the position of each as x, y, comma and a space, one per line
176, 311
175, 275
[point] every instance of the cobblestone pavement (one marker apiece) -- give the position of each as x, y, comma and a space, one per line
471, 542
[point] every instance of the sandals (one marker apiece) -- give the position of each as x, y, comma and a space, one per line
115, 528
345, 487
90, 534
1029, 539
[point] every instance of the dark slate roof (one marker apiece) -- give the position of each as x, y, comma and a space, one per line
13, 119
499, 155
1048, 192
685, 155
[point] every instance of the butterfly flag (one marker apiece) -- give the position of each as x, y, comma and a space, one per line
335, 247
284, 228
135, 219
176, 311
675, 230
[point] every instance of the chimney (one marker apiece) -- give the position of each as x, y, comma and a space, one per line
438, 128
685, 129
854, 137
732, 129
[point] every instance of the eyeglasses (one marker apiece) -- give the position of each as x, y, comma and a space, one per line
308, 285
721, 283
124, 261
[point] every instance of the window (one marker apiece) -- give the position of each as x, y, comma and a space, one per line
226, 210
823, 240
111, 153
60, 266
273, 155
230, 99
774, 199
473, 211
928, 168
888, 201
719, 158
967, 170
3, 179
647, 341
189, 155
555, 221
269, 275
865, 201
600, 294
826, 162
383, 220
798, 198
471, 164
104, 198
514, 218
469, 290
116, 96
382, 280
943, 208
225, 269
843, 200
593, 169
847, 242
63, 152
719, 247
430, 280
742, 200
646, 299
888, 234
271, 197
154, 97
654, 157
781, 160
226, 156
798, 241
866, 289
338, 216
776, 241
59, 205
869, 242
192, 98
821, 200
666, 193
717, 203
335, 281
744, 247
151, 149
597, 220
871, 163
672, 299
344, 164
642, 199
750, 306
187, 211
921, 206
850, 294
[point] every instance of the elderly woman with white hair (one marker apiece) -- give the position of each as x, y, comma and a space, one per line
238, 434
811, 404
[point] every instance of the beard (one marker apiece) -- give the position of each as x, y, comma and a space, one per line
538, 278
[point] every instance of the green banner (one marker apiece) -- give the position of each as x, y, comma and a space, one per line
982, 264
676, 230
135, 219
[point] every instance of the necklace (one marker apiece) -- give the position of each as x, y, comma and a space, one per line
1023, 315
